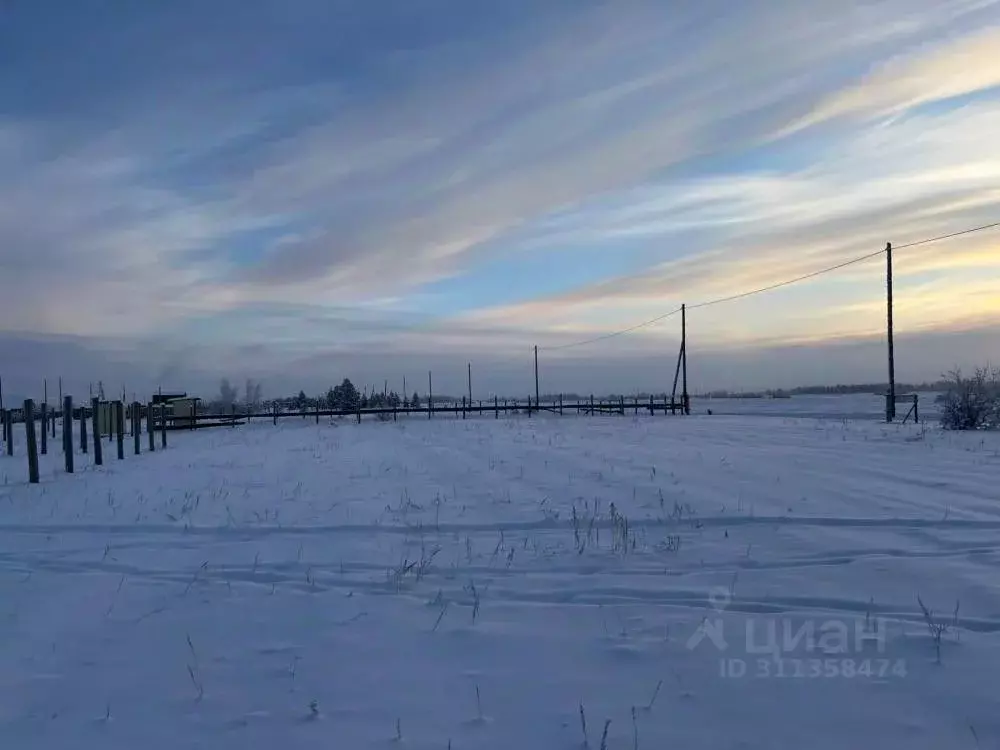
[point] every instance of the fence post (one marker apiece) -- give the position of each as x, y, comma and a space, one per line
83, 429
560, 405
150, 430
45, 427
120, 428
317, 413
463, 407
496, 406
9, 426
68, 432
136, 427
430, 395
274, 413
529, 407
98, 456
622, 405
591, 404
163, 425
916, 410
651, 410
29, 433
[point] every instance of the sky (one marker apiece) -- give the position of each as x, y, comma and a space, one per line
299, 192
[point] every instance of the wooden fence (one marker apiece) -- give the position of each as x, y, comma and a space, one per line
620, 405
85, 429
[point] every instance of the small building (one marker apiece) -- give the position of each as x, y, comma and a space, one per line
166, 398
183, 411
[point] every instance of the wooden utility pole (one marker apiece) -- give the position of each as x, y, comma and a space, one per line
536, 382
684, 362
890, 402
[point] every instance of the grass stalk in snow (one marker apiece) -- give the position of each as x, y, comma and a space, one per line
937, 628
604, 735
652, 700
440, 617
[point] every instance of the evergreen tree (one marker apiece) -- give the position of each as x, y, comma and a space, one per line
345, 396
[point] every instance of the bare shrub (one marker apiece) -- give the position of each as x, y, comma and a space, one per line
972, 403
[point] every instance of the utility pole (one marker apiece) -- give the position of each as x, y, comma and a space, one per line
890, 403
536, 380
686, 405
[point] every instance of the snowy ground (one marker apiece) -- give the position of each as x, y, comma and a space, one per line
855, 406
484, 582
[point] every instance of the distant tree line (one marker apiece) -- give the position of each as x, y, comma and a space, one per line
878, 389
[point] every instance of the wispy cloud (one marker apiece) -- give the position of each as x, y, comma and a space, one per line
413, 175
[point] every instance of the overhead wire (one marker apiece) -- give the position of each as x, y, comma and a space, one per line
769, 287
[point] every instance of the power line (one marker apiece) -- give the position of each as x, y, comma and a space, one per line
947, 236
622, 332
770, 287
788, 282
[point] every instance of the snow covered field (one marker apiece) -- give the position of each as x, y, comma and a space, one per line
856, 406
708, 582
